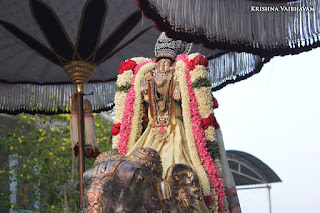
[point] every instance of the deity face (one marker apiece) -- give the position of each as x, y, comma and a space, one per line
163, 65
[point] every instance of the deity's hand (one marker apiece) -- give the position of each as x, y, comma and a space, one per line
146, 98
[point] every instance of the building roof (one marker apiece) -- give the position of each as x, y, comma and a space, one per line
249, 170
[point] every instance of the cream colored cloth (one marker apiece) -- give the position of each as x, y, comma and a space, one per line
172, 151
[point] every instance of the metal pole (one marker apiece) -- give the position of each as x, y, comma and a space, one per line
81, 142
269, 188
259, 187
256, 187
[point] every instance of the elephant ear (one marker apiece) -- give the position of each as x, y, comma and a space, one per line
181, 188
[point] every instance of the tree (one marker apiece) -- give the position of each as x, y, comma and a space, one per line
46, 166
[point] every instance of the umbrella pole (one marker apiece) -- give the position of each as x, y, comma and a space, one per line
80, 72
81, 143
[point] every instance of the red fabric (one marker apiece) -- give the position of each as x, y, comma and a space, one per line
90, 153
198, 60
215, 103
206, 122
127, 65
207, 200
210, 121
116, 129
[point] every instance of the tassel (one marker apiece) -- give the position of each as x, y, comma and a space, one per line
90, 131
74, 124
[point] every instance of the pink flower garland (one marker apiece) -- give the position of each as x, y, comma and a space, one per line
128, 114
199, 137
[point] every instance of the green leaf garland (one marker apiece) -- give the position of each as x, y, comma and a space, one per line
122, 88
213, 147
201, 82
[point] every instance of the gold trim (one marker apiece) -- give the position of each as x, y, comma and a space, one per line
79, 72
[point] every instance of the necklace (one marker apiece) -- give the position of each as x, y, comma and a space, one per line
161, 89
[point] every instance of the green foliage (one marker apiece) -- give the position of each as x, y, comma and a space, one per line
45, 160
213, 147
201, 82
124, 88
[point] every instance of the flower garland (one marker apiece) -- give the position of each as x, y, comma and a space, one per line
122, 88
196, 161
132, 104
201, 82
126, 73
199, 137
141, 70
197, 59
116, 129
127, 65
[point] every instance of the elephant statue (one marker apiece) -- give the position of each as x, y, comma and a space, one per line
134, 183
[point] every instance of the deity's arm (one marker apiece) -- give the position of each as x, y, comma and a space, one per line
144, 85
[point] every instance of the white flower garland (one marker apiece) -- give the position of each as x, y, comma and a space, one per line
119, 100
124, 78
115, 140
203, 96
198, 167
192, 56
137, 107
139, 60
120, 96
199, 72
210, 134
204, 99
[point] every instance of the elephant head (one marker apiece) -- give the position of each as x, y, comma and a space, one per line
134, 184
181, 189
119, 184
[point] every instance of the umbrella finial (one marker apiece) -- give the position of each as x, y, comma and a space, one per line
80, 73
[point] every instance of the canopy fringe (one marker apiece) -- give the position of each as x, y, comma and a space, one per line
233, 67
266, 29
52, 99
55, 99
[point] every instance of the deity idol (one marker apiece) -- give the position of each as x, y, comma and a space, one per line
166, 104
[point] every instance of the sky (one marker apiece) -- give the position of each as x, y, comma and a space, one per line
274, 116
